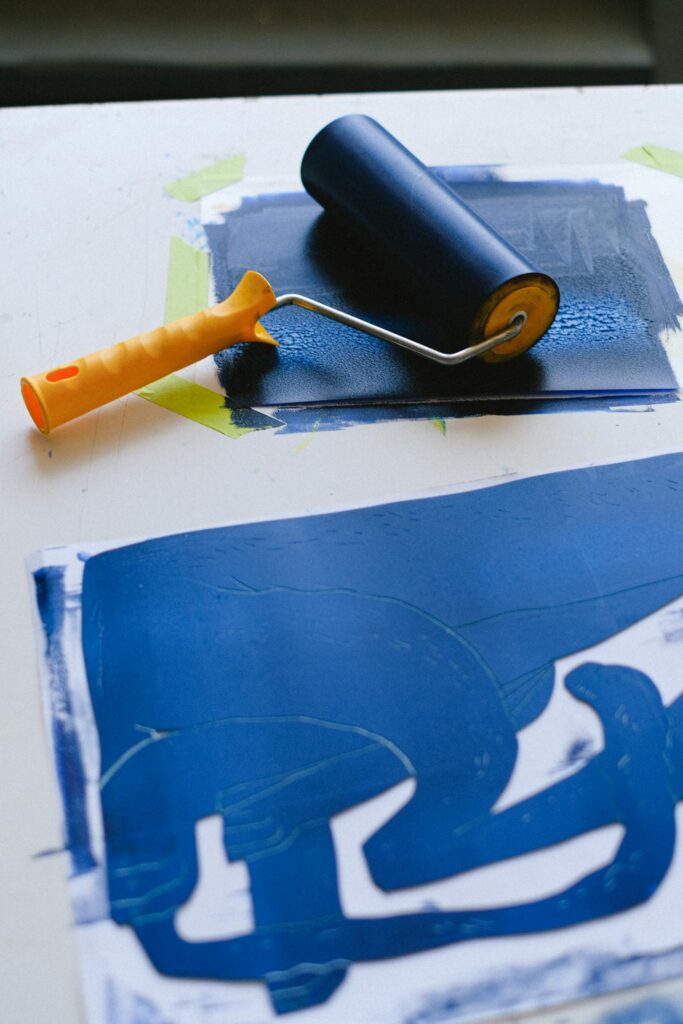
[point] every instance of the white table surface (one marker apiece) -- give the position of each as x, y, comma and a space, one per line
85, 229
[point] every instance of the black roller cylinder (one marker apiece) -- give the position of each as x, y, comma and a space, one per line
356, 170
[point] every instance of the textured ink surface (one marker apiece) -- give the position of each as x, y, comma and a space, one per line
617, 297
278, 674
51, 601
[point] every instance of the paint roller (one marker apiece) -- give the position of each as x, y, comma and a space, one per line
498, 303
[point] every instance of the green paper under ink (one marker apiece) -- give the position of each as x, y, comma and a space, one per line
209, 179
194, 402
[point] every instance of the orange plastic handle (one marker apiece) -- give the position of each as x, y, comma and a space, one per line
68, 391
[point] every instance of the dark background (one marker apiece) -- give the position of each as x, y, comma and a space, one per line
78, 51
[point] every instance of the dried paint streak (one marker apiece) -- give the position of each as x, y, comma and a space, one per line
50, 597
302, 419
228, 672
617, 298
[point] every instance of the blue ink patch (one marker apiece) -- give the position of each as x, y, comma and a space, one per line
617, 296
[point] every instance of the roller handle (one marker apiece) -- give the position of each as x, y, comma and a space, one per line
68, 391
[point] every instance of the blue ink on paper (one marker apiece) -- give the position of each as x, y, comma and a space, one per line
651, 1010
279, 673
50, 598
304, 418
125, 1007
617, 296
509, 987
579, 752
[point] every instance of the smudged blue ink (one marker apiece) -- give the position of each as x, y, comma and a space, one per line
129, 1007
252, 419
579, 752
617, 298
518, 988
672, 630
279, 673
303, 419
651, 1010
111, 1003
143, 1011
51, 852
50, 598
468, 173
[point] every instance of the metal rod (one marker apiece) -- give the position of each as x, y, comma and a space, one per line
445, 358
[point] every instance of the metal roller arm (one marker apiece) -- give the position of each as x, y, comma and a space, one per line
445, 358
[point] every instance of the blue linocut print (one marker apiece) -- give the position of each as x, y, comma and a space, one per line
617, 296
279, 673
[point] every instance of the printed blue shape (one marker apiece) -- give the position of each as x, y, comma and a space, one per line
617, 296
279, 673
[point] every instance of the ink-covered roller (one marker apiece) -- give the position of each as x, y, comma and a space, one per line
496, 304
475, 279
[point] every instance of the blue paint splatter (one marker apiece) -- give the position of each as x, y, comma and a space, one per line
50, 597
279, 673
617, 297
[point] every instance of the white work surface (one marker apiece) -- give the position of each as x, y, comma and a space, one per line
86, 227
